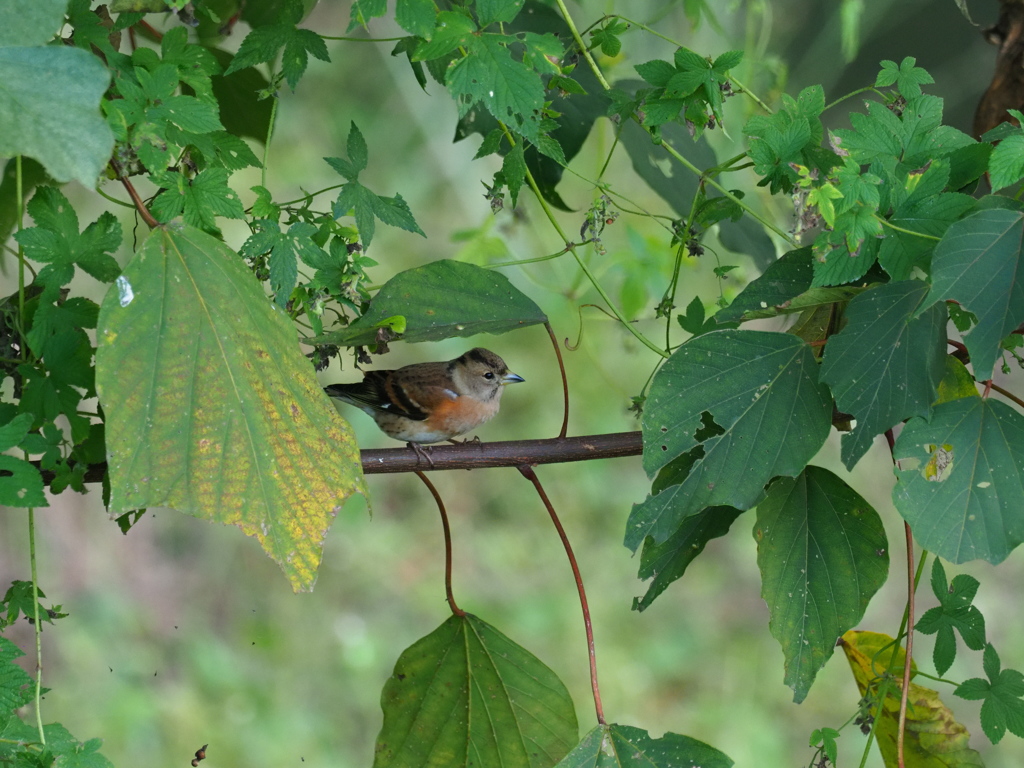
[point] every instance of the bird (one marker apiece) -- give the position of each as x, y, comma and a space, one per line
431, 402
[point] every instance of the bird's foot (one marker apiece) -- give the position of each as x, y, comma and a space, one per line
421, 453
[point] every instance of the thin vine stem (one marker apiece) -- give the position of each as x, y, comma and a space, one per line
909, 655
266, 145
529, 474
1006, 393
447, 544
886, 223
37, 626
565, 380
841, 99
581, 45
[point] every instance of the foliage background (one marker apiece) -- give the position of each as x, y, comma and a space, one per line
183, 633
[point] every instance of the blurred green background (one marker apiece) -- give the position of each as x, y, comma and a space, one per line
182, 633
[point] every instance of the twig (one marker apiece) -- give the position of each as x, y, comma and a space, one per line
139, 205
565, 381
447, 545
529, 474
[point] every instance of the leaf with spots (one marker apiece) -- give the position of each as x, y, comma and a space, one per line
822, 552
624, 746
960, 479
746, 406
466, 695
212, 408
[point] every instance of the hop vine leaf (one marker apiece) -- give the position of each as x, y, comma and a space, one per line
953, 612
263, 44
1002, 708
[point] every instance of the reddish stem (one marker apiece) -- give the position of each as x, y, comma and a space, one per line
910, 645
988, 389
139, 205
529, 474
565, 381
1006, 393
447, 545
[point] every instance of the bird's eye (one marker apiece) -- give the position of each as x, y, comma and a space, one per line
489, 375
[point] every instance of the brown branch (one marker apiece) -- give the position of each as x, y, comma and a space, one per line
529, 474
139, 205
475, 455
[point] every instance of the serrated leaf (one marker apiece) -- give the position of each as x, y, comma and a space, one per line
497, 11
760, 389
822, 552
623, 746
836, 265
49, 110
933, 737
929, 215
508, 89
16, 688
953, 612
886, 364
202, 380
199, 200
978, 264
440, 300
1002, 708
417, 17
21, 485
959, 477
467, 695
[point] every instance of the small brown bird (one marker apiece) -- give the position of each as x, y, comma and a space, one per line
431, 402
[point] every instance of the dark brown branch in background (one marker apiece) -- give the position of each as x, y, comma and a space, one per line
1007, 88
477, 455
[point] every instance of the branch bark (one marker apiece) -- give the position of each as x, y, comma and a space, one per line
478, 455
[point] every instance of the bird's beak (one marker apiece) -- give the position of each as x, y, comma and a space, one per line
511, 378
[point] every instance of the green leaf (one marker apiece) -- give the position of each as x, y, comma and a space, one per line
263, 43
441, 300
513, 171
200, 377
760, 389
16, 689
285, 251
497, 11
834, 263
417, 17
886, 364
364, 10
781, 282
822, 552
508, 89
30, 22
668, 561
21, 485
953, 612
928, 214
1006, 163
978, 264
453, 30
467, 695
623, 746
49, 110
199, 200
1003, 708
907, 77
959, 477
56, 241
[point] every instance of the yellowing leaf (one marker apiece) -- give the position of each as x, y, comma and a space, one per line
212, 409
933, 738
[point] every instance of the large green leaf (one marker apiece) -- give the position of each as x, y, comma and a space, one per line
623, 746
466, 695
30, 22
50, 110
768, 416
885, 365
212, 408
961, 479
822, 552
978, 264
440, 300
